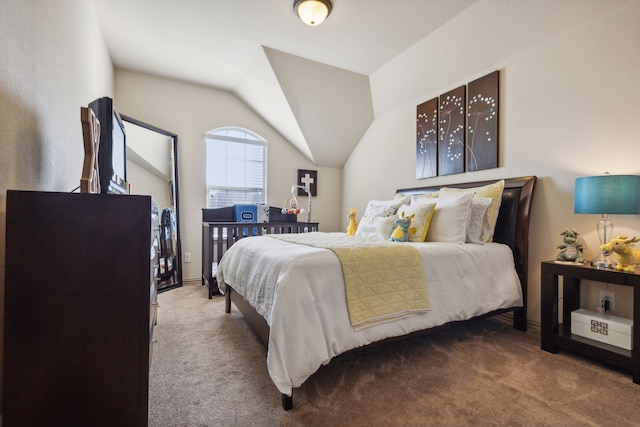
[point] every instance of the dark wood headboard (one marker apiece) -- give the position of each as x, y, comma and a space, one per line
512, 226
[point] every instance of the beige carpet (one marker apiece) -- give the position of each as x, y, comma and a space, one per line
209, 369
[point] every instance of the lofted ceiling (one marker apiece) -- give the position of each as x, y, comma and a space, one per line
311, 84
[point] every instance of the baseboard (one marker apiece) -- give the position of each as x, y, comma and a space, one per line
192, 281
533, 326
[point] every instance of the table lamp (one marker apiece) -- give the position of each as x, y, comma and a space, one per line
607, 194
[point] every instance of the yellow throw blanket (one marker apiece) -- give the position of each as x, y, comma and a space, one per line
384, 280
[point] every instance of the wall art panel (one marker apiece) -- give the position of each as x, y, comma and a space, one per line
482, 123
427, 139
452, 132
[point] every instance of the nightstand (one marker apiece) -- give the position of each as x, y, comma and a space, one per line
556, 335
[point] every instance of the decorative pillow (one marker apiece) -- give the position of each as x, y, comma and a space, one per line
421, 220
383, 207
404, 198
450, 219
478, 221
419, 199
492, 191
376, 227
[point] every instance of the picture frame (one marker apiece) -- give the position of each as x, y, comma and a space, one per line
309, 179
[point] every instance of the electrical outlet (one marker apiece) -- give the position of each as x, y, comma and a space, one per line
187, 257
609, 296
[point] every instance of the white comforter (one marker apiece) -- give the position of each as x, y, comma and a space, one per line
300, 292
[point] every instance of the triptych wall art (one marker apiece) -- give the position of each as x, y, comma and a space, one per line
444, 146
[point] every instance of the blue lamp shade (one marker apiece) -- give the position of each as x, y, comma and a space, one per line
607, 194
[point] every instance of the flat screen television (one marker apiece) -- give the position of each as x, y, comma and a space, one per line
112, 154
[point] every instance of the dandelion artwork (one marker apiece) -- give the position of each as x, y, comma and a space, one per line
427, 139
482, 123
452, 132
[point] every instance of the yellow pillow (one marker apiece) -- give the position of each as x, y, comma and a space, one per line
492, 191
421, 220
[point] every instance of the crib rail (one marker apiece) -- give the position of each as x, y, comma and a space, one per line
218, 237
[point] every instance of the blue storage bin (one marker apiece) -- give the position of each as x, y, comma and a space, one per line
246, 213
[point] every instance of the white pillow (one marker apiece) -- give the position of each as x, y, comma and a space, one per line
384, 207
420, 199
450, 219
420, 221
479, 229
493, 191
404, 198
376, 227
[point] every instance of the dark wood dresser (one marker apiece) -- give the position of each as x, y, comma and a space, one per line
79, 309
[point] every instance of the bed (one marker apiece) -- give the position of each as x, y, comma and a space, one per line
298, 295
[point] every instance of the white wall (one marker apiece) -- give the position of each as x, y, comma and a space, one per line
52, 61
569, 94
190, 111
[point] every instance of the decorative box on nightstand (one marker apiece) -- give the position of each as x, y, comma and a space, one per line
601, 327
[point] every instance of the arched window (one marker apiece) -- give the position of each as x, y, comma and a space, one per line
236, 167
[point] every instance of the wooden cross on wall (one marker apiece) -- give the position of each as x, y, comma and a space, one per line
309, 180
90, 179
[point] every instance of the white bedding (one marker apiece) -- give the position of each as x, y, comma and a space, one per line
299, 290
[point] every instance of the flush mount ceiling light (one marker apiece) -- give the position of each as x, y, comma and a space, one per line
312, 12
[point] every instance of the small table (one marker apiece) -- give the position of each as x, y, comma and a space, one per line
555, 335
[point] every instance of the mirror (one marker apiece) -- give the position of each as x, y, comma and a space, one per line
152, 169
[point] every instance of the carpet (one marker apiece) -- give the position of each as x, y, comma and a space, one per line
209, 369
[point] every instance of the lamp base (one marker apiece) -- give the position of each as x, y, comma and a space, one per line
603, 262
